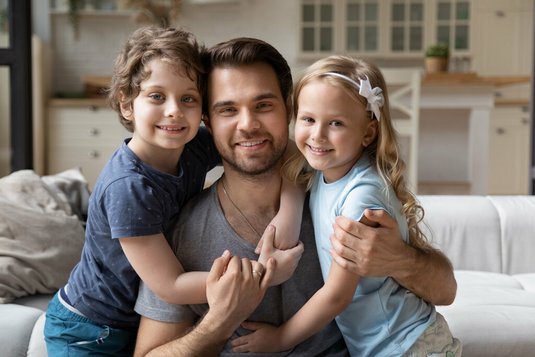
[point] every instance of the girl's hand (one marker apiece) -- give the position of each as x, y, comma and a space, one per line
265, 338
286, 260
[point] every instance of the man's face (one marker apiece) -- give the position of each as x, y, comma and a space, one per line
248, 117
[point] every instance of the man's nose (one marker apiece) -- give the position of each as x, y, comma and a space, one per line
248, 120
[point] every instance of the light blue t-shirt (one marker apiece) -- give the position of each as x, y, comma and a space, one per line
384, 318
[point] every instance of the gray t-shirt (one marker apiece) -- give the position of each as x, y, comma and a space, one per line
201, 235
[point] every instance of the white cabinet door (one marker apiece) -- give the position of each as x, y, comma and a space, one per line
82, 137
502, 37
509, 161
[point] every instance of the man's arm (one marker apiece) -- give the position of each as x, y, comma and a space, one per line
380, 251
234, 288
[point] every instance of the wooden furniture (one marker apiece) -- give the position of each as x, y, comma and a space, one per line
474, 95
404, 85
82, 133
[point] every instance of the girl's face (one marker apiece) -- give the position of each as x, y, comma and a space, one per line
331, 129
166, 114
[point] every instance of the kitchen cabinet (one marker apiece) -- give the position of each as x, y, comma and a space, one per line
81, 134
503, 40
509, 151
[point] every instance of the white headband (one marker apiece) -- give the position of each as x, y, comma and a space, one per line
373, 96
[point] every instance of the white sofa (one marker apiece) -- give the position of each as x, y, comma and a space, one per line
491, 243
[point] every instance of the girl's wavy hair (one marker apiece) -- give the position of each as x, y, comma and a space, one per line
173, 45
384, 151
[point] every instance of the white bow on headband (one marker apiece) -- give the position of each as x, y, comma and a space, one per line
374, 96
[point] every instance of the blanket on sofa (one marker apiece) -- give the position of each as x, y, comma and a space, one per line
41, 236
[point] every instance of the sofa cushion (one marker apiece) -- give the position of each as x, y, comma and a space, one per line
493, 314
16, 327
466, 229
517, 227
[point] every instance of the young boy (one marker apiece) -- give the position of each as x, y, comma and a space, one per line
157, 89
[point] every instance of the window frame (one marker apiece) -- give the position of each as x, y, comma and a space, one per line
384, 40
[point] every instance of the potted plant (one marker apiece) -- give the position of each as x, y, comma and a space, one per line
436, 58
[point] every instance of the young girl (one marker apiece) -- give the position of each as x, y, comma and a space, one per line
343, 129
157, 89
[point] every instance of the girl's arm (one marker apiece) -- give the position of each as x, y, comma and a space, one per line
154, 261
288, 220
319, 311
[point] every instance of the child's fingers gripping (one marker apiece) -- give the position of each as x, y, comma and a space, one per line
269, 274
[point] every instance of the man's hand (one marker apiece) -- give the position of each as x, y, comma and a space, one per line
286, 260
234, 288
380, 251
369, 251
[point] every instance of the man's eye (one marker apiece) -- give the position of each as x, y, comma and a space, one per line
264, 106
227, 111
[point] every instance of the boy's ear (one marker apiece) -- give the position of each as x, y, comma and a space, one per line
371, 132
126, 109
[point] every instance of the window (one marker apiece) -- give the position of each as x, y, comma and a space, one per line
383, 27
452, 18
407, 26
317, 26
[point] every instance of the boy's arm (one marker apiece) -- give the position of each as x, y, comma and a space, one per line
154, 261
319, 310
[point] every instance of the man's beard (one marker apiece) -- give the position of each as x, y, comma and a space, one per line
252, 165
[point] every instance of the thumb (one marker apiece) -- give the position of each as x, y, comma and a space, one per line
251, 326
267, 238
219, 266
380, 217
269, 274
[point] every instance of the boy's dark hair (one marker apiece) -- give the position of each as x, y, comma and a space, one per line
175, 46
243, 51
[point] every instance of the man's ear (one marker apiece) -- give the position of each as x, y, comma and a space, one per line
371, 132
206, 120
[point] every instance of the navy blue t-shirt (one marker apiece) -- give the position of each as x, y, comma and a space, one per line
131, 199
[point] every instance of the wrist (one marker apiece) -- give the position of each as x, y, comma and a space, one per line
217, 327
408, 264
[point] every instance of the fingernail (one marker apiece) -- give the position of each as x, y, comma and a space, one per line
226, 253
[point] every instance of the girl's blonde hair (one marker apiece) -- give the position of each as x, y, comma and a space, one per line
384, 151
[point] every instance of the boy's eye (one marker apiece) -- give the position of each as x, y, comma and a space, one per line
188, 99
336, 123
156, 96
307, 120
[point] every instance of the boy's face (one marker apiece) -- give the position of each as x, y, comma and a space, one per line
166, 113
248, 117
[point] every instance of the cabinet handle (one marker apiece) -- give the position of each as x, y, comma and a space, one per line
94, 132
500, 131
525, 121
94, 154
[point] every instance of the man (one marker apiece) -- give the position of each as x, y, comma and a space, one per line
249, 86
